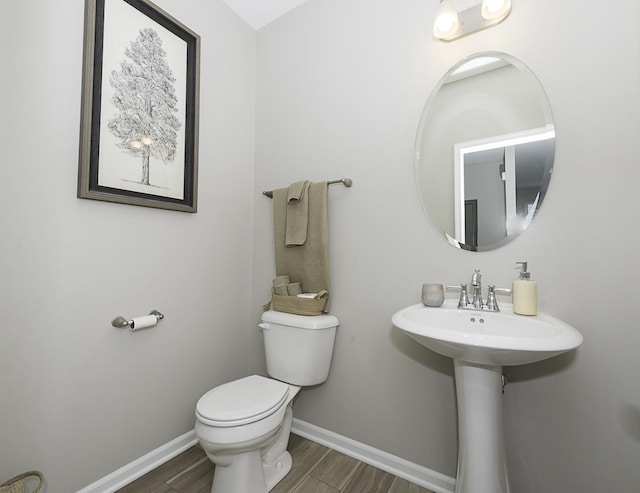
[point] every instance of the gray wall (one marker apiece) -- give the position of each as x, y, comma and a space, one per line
78, 398
340, 88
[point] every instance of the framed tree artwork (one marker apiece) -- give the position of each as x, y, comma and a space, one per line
140, 96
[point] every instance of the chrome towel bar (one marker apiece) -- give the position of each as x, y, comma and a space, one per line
347, 182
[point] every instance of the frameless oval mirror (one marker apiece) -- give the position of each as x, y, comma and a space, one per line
484, 151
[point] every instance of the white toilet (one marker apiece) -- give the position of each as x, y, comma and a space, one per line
244, 425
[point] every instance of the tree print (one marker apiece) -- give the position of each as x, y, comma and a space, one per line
145, 97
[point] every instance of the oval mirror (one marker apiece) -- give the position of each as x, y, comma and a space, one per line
484, 151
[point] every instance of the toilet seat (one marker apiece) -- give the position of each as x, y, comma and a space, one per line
242, 401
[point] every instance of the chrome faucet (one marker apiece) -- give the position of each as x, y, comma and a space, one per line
476, 302
476, 285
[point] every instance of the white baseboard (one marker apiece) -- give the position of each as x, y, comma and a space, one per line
397, 466
414, 473
139, 467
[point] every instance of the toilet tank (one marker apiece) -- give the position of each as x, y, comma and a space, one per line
298, 348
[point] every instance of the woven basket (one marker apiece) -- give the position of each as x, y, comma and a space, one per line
298, 306
16, 485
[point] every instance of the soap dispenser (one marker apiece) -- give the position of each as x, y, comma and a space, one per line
524, 293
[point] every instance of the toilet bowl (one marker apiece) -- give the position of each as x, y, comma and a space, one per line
244, 425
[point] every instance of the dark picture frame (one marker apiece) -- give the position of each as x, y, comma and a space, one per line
140, 107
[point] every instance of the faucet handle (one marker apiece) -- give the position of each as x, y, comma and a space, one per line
492, 303
464, 294
505, 291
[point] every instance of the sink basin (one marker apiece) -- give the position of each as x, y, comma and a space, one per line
488, 338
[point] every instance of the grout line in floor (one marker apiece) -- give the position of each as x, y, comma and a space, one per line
188, 469
350, 476
308, 473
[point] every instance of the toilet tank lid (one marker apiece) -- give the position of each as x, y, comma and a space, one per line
300, 321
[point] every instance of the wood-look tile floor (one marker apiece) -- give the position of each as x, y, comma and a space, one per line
316, 469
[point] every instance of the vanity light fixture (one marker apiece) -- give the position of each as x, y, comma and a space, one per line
447, 22
451, 24
495, 9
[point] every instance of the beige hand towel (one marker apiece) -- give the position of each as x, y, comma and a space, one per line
294, 289
281, 281
297, 214
296, 191
307, 264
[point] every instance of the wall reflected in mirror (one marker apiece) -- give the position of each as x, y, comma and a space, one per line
484, 151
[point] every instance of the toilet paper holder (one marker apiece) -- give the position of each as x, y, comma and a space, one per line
120, 322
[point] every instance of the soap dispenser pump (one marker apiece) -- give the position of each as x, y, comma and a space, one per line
524, 293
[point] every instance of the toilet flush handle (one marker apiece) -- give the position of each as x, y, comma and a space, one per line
264, 326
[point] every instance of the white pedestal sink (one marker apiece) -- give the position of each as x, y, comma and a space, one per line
481, 343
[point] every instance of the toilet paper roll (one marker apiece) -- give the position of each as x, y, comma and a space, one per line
144, 322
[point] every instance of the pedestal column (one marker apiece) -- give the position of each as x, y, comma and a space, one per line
482, 466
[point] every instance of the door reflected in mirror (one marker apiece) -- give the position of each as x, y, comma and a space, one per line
484, 151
